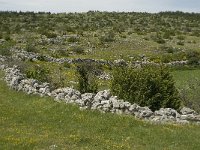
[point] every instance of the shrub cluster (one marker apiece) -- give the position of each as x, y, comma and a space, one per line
46, 74
151, 86
39, 73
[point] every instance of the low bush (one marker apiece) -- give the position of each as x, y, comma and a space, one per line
193, 57
7, 37
77, 49
66, 65
73, 39
30, 47
5, 51
39, 73
181, 37
59, 53
151, 86
181, 43
158, 38
50, 34
169, 49
5, 48
160, 41
108, 37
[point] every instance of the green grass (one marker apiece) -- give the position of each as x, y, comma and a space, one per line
183, 77
32, 122
188, 83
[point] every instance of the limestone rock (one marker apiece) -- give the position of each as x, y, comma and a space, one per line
186, 111
102, 95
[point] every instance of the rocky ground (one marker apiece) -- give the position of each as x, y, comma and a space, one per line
102, 101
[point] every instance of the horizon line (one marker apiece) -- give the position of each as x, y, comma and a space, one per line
108, 11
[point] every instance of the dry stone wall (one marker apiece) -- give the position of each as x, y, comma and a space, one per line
21, 54
103, 101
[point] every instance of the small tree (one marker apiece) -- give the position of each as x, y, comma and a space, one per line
150, 86
86, 78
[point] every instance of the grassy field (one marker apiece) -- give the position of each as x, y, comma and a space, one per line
31, 122
183, 77
188, 83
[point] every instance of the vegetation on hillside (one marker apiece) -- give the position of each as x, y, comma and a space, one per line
108, 35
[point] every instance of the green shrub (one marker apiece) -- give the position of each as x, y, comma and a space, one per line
196, 33
5, 51
193, 61
66, 65
160, 41
77, 49
41, 58
86, 78
166, 58
7, 37
39, 73
193, 57
58, 81
167, 35
181, 43
150, 86
59, 53
73, 39
30, 47
108, 37
181, 37
169, 49
158, 38
49, 34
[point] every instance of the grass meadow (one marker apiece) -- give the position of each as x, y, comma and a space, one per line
32, 122
188, 84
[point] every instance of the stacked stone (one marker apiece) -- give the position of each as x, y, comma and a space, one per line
16, 80
102, 101
24, 55
105, 102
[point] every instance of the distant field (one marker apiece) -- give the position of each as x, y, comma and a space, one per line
188, 83
184, 77
31, 122
102, 35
